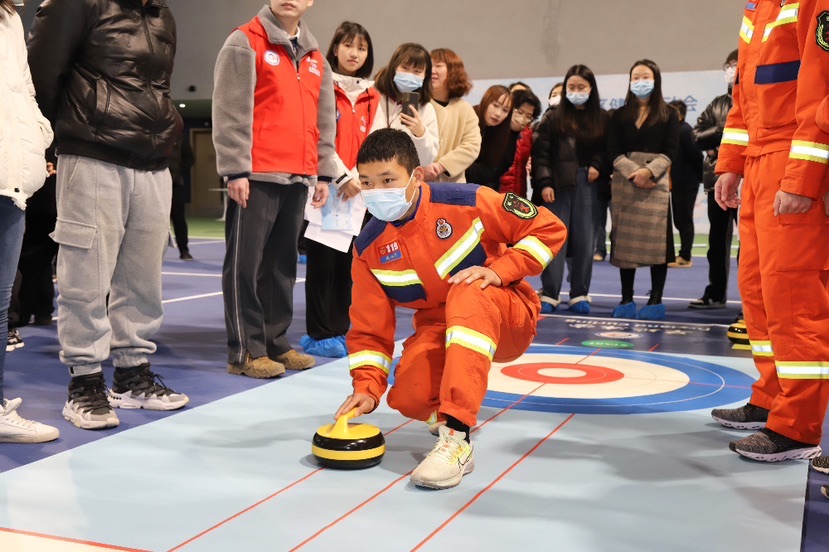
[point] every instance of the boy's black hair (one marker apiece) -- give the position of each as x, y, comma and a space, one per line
389, 144
732, 57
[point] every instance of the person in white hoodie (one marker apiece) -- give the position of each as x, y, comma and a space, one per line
329, 237
24, 136
409, 70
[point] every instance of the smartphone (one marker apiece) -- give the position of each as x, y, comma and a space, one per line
409, 99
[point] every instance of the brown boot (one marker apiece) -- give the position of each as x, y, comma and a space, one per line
260, 368
296, 361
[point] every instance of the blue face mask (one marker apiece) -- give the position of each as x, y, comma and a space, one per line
578, 98
388, 204
406, 82
642, 88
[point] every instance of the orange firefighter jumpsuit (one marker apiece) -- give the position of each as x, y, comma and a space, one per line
458, 329
772, 139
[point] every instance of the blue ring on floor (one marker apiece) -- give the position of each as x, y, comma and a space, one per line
712, 385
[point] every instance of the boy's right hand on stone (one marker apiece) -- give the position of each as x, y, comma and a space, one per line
239, 191
362, 402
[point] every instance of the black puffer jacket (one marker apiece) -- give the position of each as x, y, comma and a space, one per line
101, 70
708, 134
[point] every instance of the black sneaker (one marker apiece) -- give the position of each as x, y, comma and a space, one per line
748, 416
769, 446
821, 464
139, 387
186, 256
14, 341
87, 406
706, 303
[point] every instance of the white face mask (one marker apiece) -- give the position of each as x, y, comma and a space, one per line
554, 101
730, 75
578, 98
388, 204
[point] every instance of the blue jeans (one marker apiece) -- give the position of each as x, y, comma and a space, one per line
12, 223
578, 208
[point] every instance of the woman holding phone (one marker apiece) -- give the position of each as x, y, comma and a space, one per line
643, 137
405, 87
494, 119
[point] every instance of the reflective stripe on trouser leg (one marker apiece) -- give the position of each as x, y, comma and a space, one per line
793, 273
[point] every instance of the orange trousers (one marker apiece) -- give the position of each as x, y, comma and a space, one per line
784, 283
445, 365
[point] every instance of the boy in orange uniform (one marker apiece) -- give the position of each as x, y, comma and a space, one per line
442, 250
773, 142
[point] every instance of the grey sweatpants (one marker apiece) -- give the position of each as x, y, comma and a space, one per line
112, 228
260, 269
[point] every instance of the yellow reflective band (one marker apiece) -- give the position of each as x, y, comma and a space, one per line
461, 249
538, 250
370, 358
397, 278
735, 136
809, 151
762, 348
433, 418
816, 370
746, 30
347, 454
787, 15
470, 339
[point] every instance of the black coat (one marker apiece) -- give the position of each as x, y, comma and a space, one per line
708, 134
686, 169
101, 70
555, 157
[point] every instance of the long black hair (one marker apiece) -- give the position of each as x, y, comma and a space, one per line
588, 125
658, 110
349, 30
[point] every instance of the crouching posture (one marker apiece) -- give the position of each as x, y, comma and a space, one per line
456, 254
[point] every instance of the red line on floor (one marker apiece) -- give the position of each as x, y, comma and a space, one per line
652, 349
65, 539
401, 478
264, 500
488, 487
566, 339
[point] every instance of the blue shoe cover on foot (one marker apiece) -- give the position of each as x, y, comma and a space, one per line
547, 308
652, 312
628, 310
331, 347
582, 307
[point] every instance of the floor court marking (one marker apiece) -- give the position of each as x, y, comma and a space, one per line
264, 500
681, 299
405, 475
205, 295
637, 321
195, 274
68, 540
495, 482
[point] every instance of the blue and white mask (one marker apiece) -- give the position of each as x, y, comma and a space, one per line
407, 82
642, 88
388, 204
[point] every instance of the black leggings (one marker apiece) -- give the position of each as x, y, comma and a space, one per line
659, 273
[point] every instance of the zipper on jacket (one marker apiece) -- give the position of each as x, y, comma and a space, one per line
150, 78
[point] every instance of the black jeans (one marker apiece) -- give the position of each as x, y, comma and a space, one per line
719, 249
683, 200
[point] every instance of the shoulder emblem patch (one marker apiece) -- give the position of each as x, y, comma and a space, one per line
822, 31
443, 229
519, 206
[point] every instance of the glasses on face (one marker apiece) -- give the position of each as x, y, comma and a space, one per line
528, 117
728, 66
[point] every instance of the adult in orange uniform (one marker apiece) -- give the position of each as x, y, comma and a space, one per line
772, 142
442, 250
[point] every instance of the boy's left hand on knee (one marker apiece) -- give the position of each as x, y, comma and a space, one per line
475, 273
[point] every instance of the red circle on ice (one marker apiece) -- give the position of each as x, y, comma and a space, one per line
565, 374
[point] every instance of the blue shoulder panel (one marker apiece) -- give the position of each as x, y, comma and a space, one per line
370, 232
454, 194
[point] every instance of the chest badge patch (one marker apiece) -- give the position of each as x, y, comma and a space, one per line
519, 206
443, 229
272, 58
390, 252
822, 31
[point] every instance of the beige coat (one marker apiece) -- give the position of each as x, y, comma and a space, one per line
460, 138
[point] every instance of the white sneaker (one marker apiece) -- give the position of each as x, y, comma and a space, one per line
448, 462
14, 429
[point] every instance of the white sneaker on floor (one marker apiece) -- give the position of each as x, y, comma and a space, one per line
448, 462
14, 429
